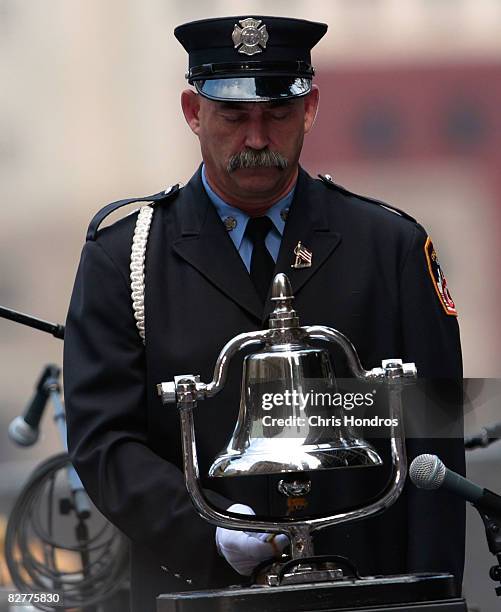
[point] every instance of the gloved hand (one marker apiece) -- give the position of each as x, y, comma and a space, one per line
245, 550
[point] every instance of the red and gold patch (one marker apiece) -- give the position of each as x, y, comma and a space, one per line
438, 279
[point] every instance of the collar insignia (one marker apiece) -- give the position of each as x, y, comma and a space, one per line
249, 36
230, 223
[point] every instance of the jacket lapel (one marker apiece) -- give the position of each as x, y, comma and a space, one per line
308, 222
204, 243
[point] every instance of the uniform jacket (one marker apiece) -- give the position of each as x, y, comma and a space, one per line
369, 279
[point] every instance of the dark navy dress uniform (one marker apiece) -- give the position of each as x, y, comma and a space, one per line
370, 278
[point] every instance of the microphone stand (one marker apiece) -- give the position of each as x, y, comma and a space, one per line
492, 524
18, 317
491, 520
79, 504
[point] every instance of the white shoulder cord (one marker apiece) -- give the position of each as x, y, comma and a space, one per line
137, 277
137, 258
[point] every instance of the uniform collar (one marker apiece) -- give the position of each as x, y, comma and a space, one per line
202, 241
225, 210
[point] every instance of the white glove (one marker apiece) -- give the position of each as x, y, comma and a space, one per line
245, 550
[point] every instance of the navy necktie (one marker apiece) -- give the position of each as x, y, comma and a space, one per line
262, 264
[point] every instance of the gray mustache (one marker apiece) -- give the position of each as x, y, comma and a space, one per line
251, 158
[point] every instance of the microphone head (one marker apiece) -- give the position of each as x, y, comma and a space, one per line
21, 433
427, 472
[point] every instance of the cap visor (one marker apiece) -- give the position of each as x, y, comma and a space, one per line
254, 89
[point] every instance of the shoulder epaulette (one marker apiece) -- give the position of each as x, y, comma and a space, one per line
327, 180
155, 199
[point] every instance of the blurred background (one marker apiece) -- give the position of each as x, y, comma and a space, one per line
89, 113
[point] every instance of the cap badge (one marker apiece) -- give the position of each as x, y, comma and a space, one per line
250, 37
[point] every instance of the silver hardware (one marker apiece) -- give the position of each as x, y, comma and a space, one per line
249, 36
167, 391
183, 388
302, 573
284, 317
395, 368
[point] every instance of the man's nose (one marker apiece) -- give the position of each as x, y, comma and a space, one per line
256, 136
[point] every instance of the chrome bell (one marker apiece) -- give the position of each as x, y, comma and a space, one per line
280, 428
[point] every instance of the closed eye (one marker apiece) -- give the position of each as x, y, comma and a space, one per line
233, 117
278, 116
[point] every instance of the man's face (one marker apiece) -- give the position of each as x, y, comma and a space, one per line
250, 149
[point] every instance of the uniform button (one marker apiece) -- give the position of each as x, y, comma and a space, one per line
230, 223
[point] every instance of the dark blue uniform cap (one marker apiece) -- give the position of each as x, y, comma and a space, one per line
250, 59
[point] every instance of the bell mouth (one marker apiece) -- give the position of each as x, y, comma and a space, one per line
283, 458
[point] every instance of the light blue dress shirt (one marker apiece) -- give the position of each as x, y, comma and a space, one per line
242, 243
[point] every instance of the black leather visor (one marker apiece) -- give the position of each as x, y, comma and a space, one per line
254, 89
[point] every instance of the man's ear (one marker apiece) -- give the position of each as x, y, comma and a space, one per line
190, 103
311, 108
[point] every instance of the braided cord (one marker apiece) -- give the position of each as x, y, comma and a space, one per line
137, 259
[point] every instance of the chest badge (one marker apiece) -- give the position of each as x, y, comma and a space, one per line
438, 279
303, 257
249, 36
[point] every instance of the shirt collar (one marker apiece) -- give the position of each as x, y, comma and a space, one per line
225, 210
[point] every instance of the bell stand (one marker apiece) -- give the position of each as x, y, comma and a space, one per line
187, 390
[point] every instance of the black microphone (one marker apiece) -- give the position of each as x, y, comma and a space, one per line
429, 472
23, 430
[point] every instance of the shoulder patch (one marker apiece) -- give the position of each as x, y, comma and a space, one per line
155, 199
327, 180
438, 279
